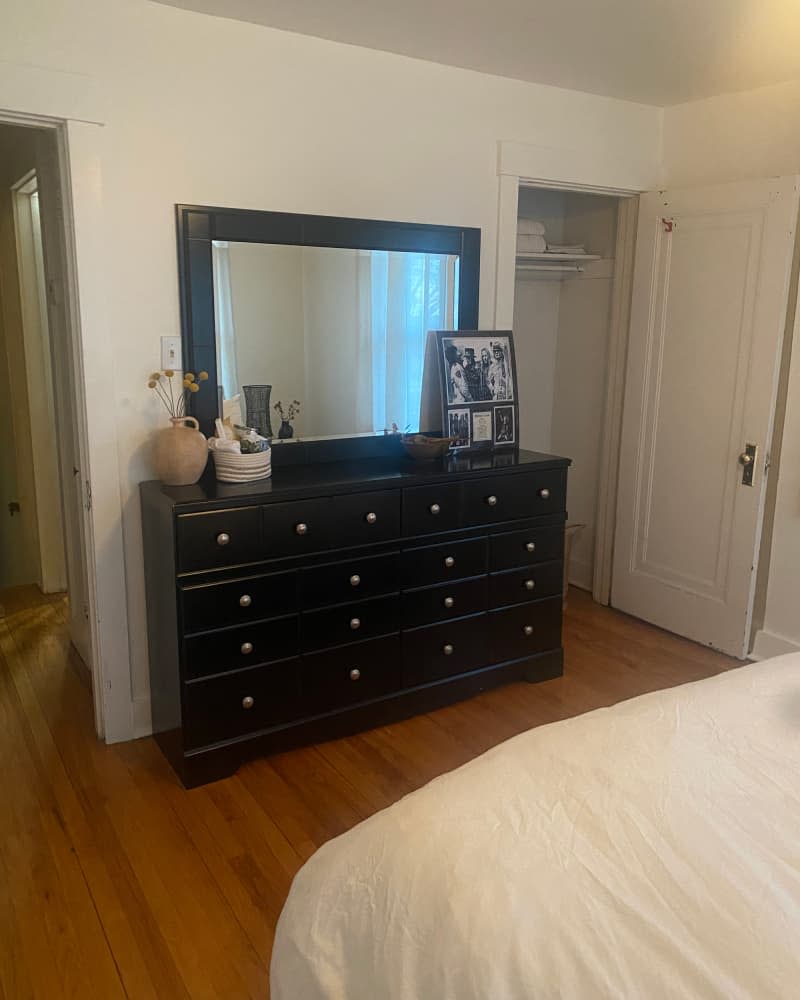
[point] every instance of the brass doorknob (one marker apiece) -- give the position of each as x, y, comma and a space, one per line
745, 459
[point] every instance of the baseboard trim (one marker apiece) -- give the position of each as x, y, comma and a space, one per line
768, 644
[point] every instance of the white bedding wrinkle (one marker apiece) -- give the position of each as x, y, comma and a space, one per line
649, 850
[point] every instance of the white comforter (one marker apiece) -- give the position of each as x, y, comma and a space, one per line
648, 850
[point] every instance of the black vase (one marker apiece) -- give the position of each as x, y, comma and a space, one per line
256, 404
285, 430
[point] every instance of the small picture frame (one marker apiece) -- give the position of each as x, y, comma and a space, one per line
478, 377
505, 426
458, 428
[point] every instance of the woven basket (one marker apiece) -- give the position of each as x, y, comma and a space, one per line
233, 468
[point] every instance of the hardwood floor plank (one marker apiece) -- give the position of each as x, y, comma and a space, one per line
132, 886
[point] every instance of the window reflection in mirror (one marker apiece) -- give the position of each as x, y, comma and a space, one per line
343, 331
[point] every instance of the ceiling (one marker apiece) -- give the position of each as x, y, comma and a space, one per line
658, 52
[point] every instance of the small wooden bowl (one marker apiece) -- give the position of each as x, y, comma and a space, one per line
422, 448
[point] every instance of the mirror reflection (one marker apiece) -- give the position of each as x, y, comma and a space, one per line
342, 331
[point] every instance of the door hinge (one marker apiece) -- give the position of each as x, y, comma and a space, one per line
88, 503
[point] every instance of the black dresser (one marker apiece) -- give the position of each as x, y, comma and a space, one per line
343, 595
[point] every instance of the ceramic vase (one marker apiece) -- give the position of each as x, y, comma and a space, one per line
181, 452
285, 430
256, 404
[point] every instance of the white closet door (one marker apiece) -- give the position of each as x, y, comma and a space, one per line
710, 293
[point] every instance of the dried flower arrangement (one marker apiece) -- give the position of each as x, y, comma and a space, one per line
175, 402
292, 410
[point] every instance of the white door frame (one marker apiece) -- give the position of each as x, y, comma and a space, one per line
39, 378
521, 165
37, 98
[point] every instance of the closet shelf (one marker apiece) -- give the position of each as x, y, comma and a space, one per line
560, 264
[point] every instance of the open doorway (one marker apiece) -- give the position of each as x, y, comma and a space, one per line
42, 541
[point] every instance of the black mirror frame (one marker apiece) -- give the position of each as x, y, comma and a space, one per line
198, 226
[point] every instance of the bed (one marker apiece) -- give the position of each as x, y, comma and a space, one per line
647, 850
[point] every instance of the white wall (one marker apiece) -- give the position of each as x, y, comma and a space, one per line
213, 111
754, 134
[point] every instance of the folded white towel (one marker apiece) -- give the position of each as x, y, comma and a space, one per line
566, 248
531, 244
530, 227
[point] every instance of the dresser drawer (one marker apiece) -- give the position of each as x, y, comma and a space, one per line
243, 646
346, 622
224, 708
525, 629
362, 518
510, 498
523, 548
349, 674
218, 538
438, 651
447, 600
527, 584
437, 563
214, 605
337, 583
290, 529
427, 509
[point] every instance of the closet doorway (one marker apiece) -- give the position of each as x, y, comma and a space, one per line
571, 313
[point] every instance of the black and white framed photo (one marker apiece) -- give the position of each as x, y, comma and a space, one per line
478, 375
505, 426
458, 428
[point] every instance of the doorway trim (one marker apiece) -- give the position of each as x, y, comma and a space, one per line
521, 165
79, 145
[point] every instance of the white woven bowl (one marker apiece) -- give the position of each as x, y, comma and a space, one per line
233, 468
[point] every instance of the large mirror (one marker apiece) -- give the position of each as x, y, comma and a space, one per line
331, 312
341, 331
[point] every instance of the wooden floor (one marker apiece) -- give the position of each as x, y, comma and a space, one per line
115, 882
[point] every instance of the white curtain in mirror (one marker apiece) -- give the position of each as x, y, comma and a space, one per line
227, 375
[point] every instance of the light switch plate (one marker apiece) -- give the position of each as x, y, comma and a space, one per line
171, 353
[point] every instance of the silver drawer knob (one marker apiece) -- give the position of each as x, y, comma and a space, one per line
246, 648
245, 601
355, 674
435, 508
372, 517
355, 580
448, 649
355, 623
530, 584
449, 602
544, 493
301, 528
248, 701
530, 546
449, 562
492, 501
527, 629
223, 538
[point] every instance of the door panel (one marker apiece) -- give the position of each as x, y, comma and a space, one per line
709, 303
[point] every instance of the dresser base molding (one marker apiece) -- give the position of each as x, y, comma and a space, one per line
222, 760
